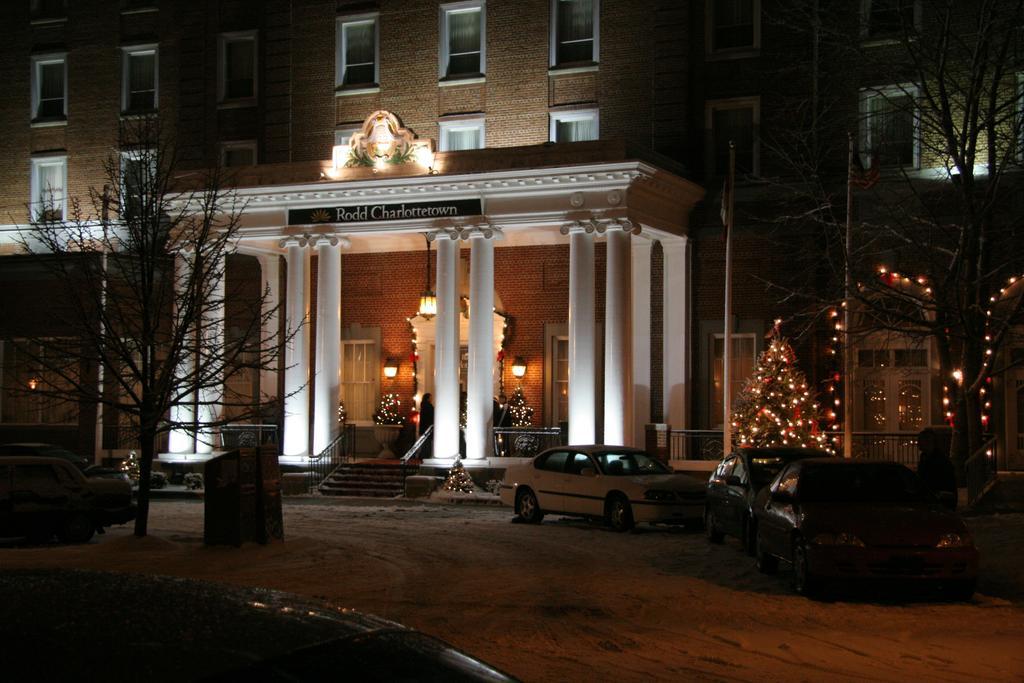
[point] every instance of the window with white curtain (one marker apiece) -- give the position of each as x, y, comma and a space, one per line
359, 377
461, 134
357, 57
574, 38
49, 180
462, 40
49, 87
574, 126
139, 79
237, 72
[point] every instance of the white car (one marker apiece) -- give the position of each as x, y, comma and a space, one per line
622, 485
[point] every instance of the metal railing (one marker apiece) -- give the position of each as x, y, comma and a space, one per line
980, 470
326, 461
706, 444
416, 450
526, 442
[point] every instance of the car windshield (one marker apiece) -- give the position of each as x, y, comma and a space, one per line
47, 452
625, 464
861, 483
764, 465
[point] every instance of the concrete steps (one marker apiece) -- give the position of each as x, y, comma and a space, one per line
368, 480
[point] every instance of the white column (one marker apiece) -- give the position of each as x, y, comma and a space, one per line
328, 342
640, 309
582, 366
480, 384
446, 358
270, 267
618, 389
296, 355
676, 340
182, 439
211, 357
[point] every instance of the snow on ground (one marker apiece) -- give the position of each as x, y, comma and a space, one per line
570, 601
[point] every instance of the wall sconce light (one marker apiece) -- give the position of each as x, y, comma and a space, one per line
390, 368
33, 383
519, 367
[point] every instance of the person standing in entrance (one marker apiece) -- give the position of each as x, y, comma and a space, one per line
426, 421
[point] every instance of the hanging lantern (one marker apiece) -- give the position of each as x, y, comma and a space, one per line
428, 300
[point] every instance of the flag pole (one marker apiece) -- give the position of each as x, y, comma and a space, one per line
847, 293
727, 341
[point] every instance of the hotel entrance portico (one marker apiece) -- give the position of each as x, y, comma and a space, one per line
534, 223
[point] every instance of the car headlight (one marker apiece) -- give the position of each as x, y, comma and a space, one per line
842, 538
655, 494
953, 541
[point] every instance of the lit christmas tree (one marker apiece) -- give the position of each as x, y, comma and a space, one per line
388, 411
775, 407
519, 410
130, 466
458, 480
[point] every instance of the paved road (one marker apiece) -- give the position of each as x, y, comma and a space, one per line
568, 600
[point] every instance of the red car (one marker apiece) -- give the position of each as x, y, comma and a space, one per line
839, 520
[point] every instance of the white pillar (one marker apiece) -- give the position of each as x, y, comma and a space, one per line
582, 367
296, 355
677, 345
182, 439
640, 308
270, 265
446, 358
618, 394
480, 384
211, 357
328, 342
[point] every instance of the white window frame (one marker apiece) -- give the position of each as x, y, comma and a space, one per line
865, 22
553, 36
339, 54
727, 52
38, 62
36, 186
447, 127
132, 155
442, 52
126, 54
753, 103
236, 145
867, 95
572, 115
373, 361
222, 65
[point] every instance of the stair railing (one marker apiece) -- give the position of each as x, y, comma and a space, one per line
326, 461
418, 446
980, 470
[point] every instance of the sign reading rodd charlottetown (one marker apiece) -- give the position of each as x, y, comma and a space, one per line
386, 212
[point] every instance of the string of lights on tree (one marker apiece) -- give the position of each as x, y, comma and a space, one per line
775, 406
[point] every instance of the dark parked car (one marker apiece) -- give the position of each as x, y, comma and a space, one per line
48, 450
841, 520
68, 625
728, 508
41, 496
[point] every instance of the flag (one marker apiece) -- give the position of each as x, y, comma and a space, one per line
723, 212
863, 178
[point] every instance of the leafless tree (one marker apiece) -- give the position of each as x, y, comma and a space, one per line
140, 270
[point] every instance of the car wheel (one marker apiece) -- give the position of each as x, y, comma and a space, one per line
77, 528
749, 536
804, 582
766, 564
710, 530
961, 591
620, 514
527, 507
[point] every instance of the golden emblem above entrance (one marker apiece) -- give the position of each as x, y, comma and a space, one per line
383, 140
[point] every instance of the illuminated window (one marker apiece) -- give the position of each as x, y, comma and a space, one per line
49, 180
463, 40
574, 126
890, 126
574, 32
461, 134
357, 63
360, 373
